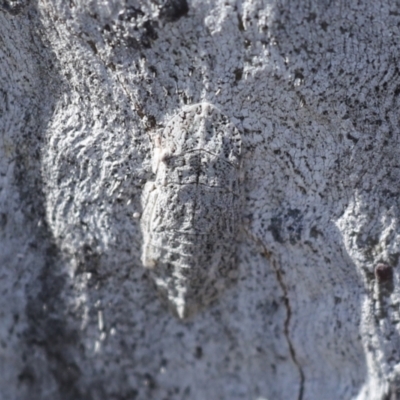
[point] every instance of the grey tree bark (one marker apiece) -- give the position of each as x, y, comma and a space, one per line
86, 89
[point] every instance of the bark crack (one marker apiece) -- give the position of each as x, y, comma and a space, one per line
284, 289
286, 326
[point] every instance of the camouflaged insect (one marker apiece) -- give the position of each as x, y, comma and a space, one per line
191, 210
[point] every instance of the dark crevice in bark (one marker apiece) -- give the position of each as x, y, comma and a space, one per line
286, 327
284, 288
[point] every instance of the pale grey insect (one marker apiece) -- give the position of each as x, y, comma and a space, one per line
191, 210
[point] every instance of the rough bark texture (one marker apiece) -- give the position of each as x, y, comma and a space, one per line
312, 86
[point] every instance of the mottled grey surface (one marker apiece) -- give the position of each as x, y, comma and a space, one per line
191, 211
313, 87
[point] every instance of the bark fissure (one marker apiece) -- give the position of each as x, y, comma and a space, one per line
284, 289
283, 286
